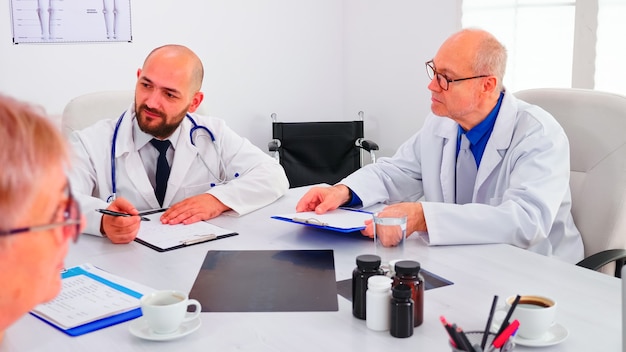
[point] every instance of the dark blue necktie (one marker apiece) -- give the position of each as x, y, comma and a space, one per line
162, 170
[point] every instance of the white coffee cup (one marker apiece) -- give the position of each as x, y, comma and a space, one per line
166, 310
536, 314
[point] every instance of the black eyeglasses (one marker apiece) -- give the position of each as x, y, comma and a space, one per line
71, 221
443, 80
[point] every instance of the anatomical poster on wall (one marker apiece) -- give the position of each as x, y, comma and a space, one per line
70, 21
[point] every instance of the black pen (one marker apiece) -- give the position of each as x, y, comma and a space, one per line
467, 346
117, 213
505, 322
153, 211
489, 319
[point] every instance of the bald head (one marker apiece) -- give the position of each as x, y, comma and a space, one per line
180, 57
168, 86
473, 61
485, 54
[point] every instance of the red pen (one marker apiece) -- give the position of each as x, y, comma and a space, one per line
506, 334
454, 338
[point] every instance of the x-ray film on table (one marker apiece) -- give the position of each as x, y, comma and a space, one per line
267, 281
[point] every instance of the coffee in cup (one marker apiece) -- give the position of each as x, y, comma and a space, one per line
536, 314
164, 311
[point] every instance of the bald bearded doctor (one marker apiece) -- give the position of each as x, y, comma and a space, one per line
158, 154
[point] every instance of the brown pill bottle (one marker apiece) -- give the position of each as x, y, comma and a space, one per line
408, 273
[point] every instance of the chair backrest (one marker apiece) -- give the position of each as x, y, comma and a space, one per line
86, 109
595, 124
318, 152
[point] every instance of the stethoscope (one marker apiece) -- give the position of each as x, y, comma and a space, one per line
194, 128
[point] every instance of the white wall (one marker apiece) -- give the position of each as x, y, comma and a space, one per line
385, 47
303, 59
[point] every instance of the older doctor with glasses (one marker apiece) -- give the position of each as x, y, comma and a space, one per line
484, 168
39, 214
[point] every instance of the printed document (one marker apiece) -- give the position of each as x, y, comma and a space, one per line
89, 294
337, 220
163, 237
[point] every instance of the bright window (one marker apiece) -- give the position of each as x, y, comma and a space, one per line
610, 73
542, 37
538, 35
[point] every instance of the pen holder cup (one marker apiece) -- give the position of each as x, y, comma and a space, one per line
476, 337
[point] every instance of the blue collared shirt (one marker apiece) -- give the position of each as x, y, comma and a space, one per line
479, 135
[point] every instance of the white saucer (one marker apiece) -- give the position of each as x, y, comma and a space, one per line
556, 334
139, 327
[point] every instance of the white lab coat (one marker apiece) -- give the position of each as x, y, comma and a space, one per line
260, 179
521, 197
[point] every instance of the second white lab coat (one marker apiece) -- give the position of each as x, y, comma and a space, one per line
253, 179
522, 194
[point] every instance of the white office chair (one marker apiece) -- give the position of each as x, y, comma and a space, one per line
86, 109
595, 124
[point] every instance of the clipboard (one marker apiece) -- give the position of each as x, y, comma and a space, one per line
102, 277
340, 220
161, 238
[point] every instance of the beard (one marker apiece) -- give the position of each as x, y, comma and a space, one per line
163, 129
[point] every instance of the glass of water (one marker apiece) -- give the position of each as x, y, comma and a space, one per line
389, 235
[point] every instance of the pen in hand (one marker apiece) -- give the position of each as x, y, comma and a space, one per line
117, 213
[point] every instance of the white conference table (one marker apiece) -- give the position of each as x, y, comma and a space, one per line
588, 302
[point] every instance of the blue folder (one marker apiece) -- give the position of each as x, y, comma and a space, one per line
104, 322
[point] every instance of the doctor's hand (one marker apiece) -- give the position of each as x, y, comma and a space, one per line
120, 229
415, 221
323, 199
193, 209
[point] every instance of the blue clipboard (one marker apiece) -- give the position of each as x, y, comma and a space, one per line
340, 220
101, 323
